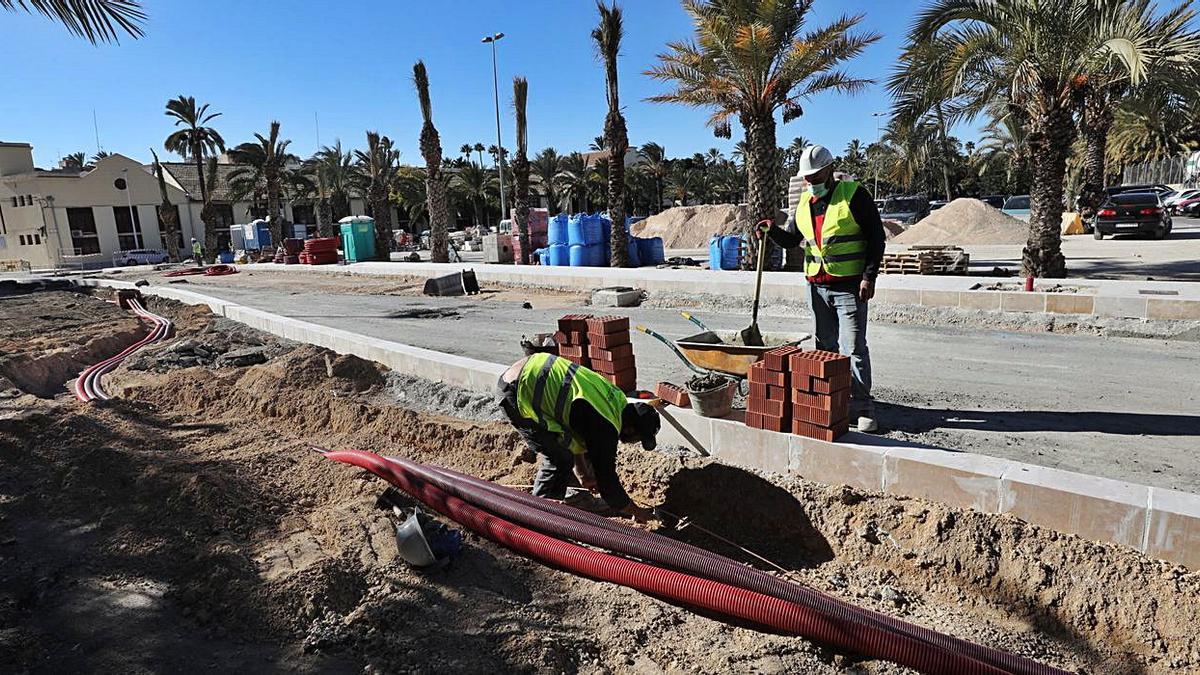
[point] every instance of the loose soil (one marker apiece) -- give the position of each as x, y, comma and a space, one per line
965, 221
189, 522
692, 226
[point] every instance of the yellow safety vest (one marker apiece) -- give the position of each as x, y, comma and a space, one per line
843, 248
549, 384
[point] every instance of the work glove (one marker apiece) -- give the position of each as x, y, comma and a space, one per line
761, 230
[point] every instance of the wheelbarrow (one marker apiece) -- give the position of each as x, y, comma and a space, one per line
712, 352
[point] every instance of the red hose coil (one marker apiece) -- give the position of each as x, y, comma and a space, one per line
792, 617
88, 386
220, 270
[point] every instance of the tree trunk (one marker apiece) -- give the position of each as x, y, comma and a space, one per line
520, 167
208, 216
275, 209
617, 140
170, 221
1050, 137
1096, 122
761, 176
439, 216
382, 212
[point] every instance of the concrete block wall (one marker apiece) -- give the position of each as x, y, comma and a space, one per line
1161, 523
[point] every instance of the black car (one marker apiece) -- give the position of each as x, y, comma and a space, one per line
1132, 213
994, 201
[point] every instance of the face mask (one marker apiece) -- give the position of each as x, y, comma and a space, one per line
820, 190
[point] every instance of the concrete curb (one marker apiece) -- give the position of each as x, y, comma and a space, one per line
1158, 522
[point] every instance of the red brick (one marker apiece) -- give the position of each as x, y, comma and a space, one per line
577, 337
673, 394
820, 433
571, 351
626, 380
619, 352
838, 400
767, 407
772, 423
607, 325
613, 366
819, 364
758, 390
760, 375
819, 417
754, 420
778, 393
777, 359
830, 385
573, 322
608, 340
560, 338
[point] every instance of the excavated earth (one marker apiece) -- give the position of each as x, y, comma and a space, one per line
187, 525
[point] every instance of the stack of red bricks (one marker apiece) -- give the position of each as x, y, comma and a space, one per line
600, 343
769, 404
820, 394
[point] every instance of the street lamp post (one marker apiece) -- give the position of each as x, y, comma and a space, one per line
493, 39
878, 140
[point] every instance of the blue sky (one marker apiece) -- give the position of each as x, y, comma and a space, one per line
351, 62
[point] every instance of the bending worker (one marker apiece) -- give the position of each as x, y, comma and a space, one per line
573, 418
843, 239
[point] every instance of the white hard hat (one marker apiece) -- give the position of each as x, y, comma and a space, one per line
813, 159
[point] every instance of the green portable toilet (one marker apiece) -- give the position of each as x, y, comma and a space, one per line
358, 238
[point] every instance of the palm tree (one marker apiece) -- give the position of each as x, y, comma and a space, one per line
100, 154
478, 148
1168, 41
335, 169
260, 170
465, 149
607, 35
75, 160
520, 166
208, 212
657, 166
93, 20
545, 166
168, 215
749, 59
1153, 124
476, 184
375, 176
572, 182
1035, 57
435, 185
196, 140
1002, 145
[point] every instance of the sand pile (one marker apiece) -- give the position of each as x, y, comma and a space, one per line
965, 221
693, 226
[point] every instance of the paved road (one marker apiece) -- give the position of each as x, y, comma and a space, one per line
1122, 408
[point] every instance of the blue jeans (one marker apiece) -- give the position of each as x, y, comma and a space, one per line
841, 326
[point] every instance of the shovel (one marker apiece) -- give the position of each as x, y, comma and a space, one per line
750, 335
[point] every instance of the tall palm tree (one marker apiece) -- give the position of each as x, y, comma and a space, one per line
1003, 146
168, 215
376, 174
260, 168
75, 160
1173, 51
435, 185
475, 183
657, 166
465, 149
749, 59
607, 35
572, 182
1153, 124
93, 20
1035, 57
100, 154
208, 213
196, 139
520, 165
478, 148
546, 165
334, 169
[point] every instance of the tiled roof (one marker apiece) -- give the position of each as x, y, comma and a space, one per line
188, 177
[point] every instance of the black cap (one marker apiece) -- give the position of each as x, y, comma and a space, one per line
646, 420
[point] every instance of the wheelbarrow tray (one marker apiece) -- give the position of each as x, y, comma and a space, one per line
712, 350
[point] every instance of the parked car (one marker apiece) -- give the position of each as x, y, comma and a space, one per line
1187, 207
906, 210
937, 204
141, 256
1157, 188
1017, 206
994, 201
1172, 202
1132, 213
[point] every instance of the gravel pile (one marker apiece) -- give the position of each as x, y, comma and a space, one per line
965, 221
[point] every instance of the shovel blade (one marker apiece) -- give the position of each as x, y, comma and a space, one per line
750, 336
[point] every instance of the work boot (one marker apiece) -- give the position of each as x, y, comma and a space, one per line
867, 425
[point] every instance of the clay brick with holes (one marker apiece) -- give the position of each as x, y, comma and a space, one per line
767, 407
777, 359
778, 393
626, 380
830, 385
572, 351
754, 420
781, 423
606, 325
573, 322
757, 390
560, 338
819, 417
838, 400
673, 394
608, 340
601, 354
577, 337
820, 364
760, 375
801, 428
611, 367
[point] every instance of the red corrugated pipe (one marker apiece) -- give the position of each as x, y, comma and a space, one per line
791, 617
88, 386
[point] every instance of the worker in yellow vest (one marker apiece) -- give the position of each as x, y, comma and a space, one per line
573, 418
839, 226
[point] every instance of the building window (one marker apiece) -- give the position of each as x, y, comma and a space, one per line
21, 238
21, 199
15, 202
84, 238
29, 200
129, 228
37, 240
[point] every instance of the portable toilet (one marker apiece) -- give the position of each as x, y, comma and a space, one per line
358, 238
257, 234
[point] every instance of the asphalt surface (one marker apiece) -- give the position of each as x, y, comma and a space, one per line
1124, 408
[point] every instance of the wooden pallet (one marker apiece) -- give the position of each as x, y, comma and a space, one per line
926, 260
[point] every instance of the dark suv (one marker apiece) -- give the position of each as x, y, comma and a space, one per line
1132, 213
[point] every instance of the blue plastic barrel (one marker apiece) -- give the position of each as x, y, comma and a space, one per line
633, 250
730, 251
556, 229
578, 256
575, 234
714, 252
559, 255
651, 251
595, 254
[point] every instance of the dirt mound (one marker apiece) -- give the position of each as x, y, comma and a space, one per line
965, 221
693, 226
